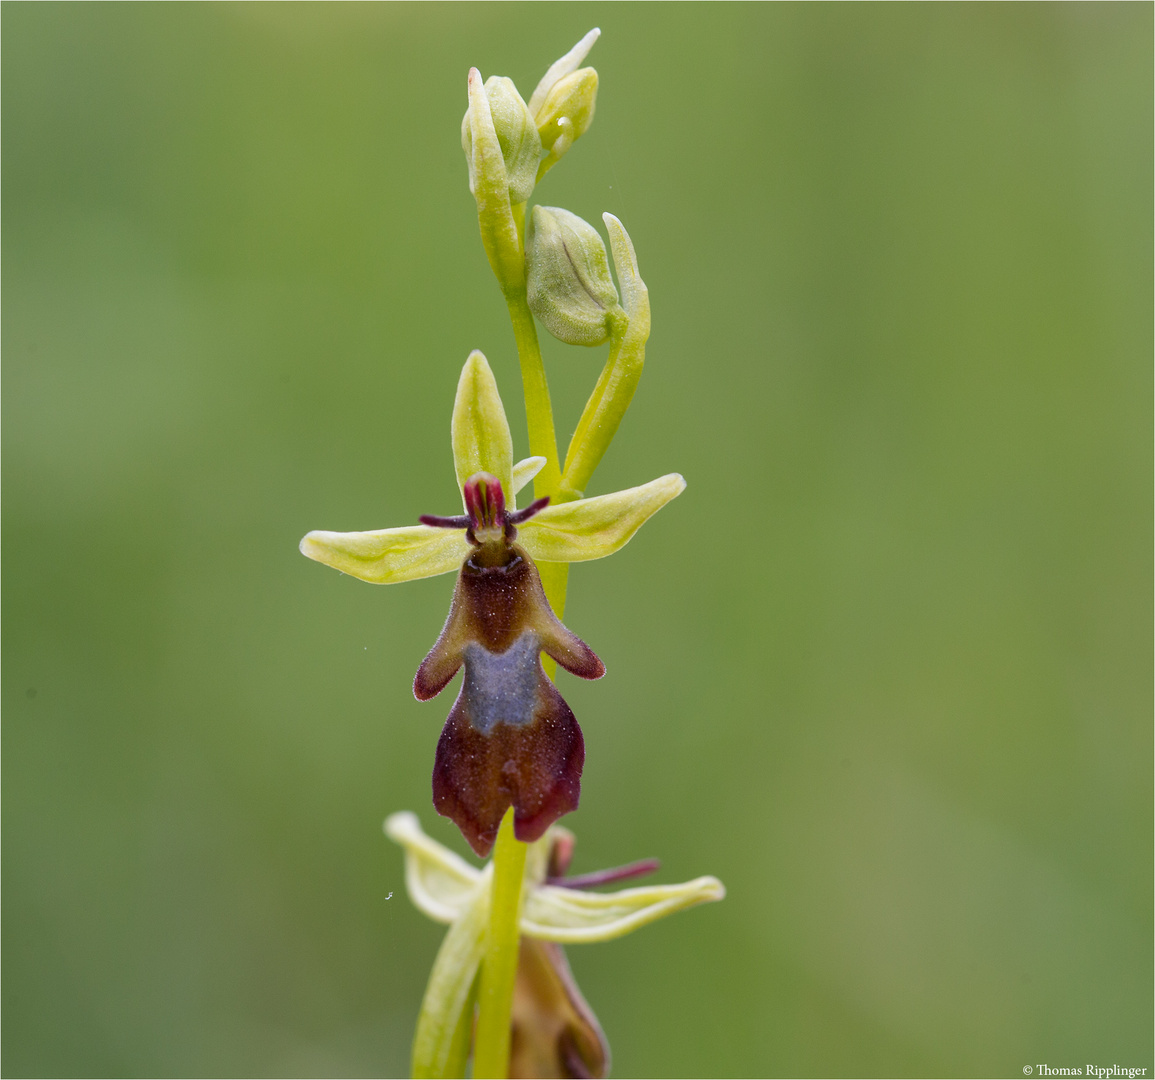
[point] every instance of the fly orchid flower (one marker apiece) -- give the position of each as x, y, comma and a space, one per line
554, 1031
510, 739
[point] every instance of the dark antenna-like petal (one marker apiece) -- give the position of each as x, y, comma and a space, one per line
535, 507
607, 877
435, 522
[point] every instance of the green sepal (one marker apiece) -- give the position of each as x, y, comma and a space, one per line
389, 556
440, 882
555, 913
479, 431
635, 295
564, 532
593, 528
445, 887
615, 387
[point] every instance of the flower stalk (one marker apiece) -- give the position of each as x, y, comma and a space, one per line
542, 436
499, 969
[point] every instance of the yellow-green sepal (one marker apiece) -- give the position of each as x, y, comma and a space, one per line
517, 135
388, 556
615, 387
440, 882
568, 282
480, 431
445, 887
571, 917
594, 528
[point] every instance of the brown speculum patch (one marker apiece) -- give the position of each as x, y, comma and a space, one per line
510, 738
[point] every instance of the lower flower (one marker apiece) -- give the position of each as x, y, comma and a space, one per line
554, 1031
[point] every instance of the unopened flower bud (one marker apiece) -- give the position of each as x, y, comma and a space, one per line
568, 278
567, 112
516, 134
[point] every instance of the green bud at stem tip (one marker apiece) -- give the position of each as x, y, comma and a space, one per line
566, 115
561, 68
517, 137
489, 179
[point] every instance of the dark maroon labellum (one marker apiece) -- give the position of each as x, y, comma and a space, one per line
510, 739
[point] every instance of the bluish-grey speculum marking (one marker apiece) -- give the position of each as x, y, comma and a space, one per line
501, 687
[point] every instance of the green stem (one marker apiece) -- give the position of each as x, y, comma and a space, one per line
499, 969
542, 440
538, 408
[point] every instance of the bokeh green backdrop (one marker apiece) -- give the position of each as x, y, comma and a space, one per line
885, 667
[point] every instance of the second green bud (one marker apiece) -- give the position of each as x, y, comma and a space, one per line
517, 135
568, 278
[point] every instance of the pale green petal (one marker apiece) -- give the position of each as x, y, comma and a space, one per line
440, 882
594, 528
570, 916
561, 68
389, 555
525, 470
480, 432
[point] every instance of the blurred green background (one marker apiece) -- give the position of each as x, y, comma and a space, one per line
885, 668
